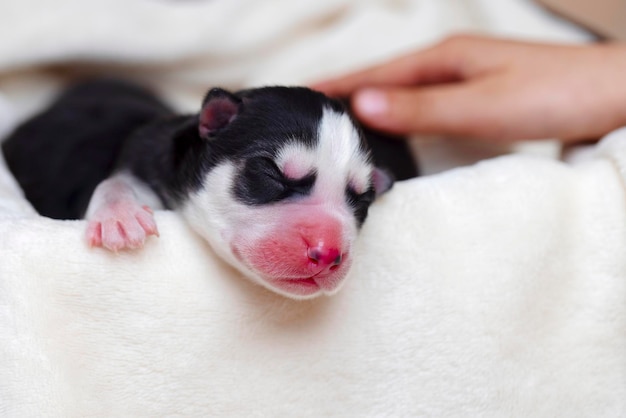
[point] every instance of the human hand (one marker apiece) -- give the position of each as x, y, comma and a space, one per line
494, 89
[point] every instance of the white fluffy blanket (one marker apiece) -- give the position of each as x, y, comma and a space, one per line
497, 289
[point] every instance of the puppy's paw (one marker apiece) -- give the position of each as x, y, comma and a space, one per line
123, 225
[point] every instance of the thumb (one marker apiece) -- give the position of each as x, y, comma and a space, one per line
427, 110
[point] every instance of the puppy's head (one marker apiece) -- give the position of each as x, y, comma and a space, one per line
286, 183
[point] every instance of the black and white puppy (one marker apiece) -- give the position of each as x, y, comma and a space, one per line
278, 180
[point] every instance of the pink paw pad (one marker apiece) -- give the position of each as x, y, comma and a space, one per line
120, 226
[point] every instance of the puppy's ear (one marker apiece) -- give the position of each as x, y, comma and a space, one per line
219, 108
382, 180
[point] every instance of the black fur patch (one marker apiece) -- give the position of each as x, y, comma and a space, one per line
60, 155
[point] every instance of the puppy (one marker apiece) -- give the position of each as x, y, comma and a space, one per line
278, 180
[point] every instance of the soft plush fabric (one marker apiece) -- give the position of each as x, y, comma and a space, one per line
497, 289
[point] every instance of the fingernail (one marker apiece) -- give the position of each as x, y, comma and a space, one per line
371, 102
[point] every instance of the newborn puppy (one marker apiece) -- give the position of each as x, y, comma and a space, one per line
278, 179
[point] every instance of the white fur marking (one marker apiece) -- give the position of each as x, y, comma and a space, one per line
337, 157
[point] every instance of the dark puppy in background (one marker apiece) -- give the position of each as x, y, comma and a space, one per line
277, 179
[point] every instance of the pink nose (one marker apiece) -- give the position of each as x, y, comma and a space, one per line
326, 257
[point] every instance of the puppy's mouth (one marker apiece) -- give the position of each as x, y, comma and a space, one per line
300, 283
307, 282
321, 283
299, 288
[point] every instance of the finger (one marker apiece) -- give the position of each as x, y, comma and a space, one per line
449, 110
447, 61
399, 72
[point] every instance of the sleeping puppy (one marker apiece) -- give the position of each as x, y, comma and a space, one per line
278, 180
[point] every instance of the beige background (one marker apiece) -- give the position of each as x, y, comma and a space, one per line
605, 17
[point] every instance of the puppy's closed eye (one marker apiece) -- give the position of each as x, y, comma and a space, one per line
262, 182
